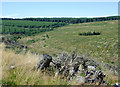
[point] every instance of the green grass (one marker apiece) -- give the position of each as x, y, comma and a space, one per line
24, 74
102, 47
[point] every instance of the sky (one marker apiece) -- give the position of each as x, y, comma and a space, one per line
59, 9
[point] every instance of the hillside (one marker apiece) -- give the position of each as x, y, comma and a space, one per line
102, 48
67, 39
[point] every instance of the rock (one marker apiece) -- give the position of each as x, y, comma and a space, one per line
89, 62
101, 77
76, 64
44, 61
73, 55
12, 67
61, 59
71, 72
80, 67
80, 60
70, 67
116, 85
80, 79
94, 77
89, 68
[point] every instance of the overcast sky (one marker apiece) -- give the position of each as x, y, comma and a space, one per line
59, 9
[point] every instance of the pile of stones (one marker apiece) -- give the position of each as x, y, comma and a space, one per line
72, 67
12, 44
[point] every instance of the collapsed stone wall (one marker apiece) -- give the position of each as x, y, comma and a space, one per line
72, 67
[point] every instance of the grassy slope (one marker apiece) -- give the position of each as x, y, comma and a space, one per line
24, 75
102, 47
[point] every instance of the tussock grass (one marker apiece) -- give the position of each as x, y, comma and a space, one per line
103, 48
23, 74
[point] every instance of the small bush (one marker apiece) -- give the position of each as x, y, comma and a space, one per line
42, 39
44, 45
47, 35
89, 33
30, 41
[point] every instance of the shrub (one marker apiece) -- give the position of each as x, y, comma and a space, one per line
30, 41
47, 35
89, 33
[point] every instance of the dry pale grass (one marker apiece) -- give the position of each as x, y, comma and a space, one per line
0, 62
23, 73
111, 78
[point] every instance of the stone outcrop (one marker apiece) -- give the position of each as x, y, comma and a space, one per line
44, 62
72, 67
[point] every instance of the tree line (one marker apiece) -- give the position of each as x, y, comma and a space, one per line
26, 27
68, 20
30, 26
22, 31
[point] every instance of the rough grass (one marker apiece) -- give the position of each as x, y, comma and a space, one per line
102, 47
23, 73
